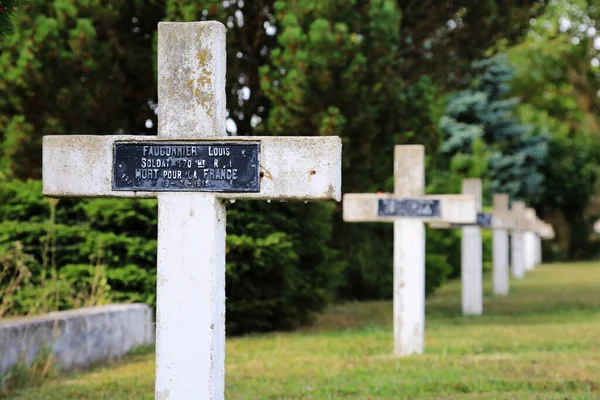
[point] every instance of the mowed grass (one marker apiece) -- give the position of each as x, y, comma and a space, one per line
541, 342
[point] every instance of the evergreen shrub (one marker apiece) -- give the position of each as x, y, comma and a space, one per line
280, 267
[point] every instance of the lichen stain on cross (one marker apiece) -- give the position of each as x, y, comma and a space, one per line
190, 328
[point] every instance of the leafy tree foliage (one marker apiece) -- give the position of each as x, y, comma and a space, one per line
441, 38
280, 268
371, 71
73, 67
558, 80
7, 8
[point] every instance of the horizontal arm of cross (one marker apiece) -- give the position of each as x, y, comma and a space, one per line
302, 168
524, 224
503, 220
539, 227
500, 221
367, 207
546, 231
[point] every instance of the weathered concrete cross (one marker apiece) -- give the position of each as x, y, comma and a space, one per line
517, 240
471, 269
502, 221
471, 248
408, 208
527, 240
532, 240
545, 231
536, 231
192, 154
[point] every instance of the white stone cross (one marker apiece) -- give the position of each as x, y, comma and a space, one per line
408, 208
517, 240
471, 248
537, 231
527, 239
192, 153
597, 226
532, 240
471, 269
502, 222
544, 231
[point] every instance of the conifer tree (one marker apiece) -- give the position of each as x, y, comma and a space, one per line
7, 8
485, 137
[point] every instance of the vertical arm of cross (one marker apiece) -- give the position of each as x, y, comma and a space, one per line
517, 245
530, 239
409, 255
539, 227
190, 328
409, 170
500, 245
471, 260
546, 232
191, 80
502, 216
472, 187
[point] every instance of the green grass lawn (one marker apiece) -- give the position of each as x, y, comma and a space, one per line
541, 342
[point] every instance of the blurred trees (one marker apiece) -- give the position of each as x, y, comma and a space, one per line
74, 67
341, 68
558, 80
375, 72
440, 38
7, 8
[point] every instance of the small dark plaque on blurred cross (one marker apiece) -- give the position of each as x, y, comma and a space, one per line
427, 208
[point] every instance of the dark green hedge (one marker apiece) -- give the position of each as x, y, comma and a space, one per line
282, 262
280, 268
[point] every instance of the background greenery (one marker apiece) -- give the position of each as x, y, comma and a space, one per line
502, 90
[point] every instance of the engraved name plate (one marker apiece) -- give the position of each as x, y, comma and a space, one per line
186, 166
424, 208
484, 219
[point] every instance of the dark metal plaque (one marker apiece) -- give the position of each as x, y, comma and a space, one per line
186, 166
423, 208
484, 219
